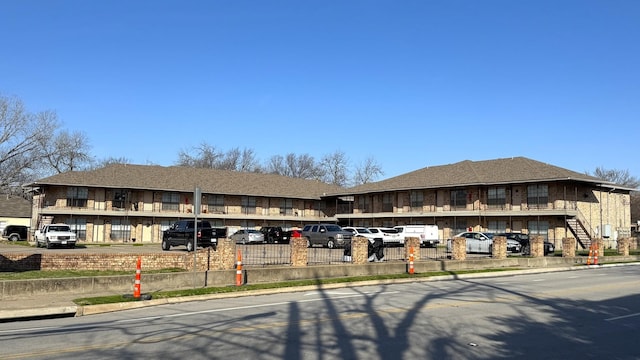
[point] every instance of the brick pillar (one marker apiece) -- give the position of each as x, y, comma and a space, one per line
623, 246
359, 250
537, 246
499, 247
459, 248
225, 255
569, 247
633, 243
412, 242
299, 251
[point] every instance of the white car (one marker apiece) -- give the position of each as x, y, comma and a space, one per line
247, 237
390, 236
480, 242
362, 231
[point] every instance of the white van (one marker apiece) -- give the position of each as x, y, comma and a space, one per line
428, 234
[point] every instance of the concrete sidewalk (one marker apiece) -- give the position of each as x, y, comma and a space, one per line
60, 305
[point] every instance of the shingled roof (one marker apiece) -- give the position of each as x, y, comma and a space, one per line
14, 206
185, 179
469, 173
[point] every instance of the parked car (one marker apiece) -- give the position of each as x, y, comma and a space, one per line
480, 242
390, 236
182, 231
247, 237
293, 233
329, 235
362, 231
55, 235
523, 239
428, 234
274, 234
15, 232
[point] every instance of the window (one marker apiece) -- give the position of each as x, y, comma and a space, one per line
286, 207
119, 199
170, 201
495, 226
459, 199
458, 227
539, 228
417, 200
77, 196
538, 196
120, 229
387, 202
496, 198
78, 226
363, 203
215, 204
248, 205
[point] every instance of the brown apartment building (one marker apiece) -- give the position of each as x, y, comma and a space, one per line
121, 203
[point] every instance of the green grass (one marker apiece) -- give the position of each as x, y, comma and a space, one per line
231, 289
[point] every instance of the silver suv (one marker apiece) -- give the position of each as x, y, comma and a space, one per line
329, 235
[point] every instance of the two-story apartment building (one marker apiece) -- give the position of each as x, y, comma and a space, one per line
120, 203
513, 194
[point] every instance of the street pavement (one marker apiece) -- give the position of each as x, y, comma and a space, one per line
59, 305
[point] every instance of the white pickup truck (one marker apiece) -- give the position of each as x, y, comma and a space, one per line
55, 235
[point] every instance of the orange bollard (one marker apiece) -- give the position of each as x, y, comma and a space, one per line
590, 254
411, 270
595, 256
136, 285
239, 269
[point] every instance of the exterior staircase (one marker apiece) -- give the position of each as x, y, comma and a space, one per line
580, 232
44, 220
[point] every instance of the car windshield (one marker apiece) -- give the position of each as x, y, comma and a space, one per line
59, 228
363, 230
253, 231
333, 228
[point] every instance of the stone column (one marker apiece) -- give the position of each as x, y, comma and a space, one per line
299, 251
225, 255
569, 247
537, 246
633, 243
359, 250
412, 242
499, 247
459, 248
623, 246
598, 244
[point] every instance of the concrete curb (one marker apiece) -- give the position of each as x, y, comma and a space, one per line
78, 310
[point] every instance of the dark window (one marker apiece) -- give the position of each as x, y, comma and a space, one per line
417, 200
496, 198
119, 199
387, 202
459, 199
78, 226
215, 204
248, 205
170, 201
286, 207
538, 196
77, 196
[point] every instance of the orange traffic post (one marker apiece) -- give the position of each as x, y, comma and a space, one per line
411, 270
590, 254
239, 269
595, 255
136, 285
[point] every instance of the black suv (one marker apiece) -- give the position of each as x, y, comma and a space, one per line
16, 232
274, 234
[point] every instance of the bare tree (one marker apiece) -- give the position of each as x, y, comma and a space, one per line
303, 166
367, 172
21, 134
334, 168
620, 177
206, 156
112, 160
67, 151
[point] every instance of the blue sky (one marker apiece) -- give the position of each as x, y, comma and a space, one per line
408, 83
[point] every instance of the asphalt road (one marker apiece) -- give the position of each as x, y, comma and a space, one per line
592, 313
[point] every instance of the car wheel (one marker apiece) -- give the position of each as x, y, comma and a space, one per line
72, 246
189, 246
490, 249
48, 244
244, 241
270, 240
331, 244
14, 237
165, 245
526, 250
